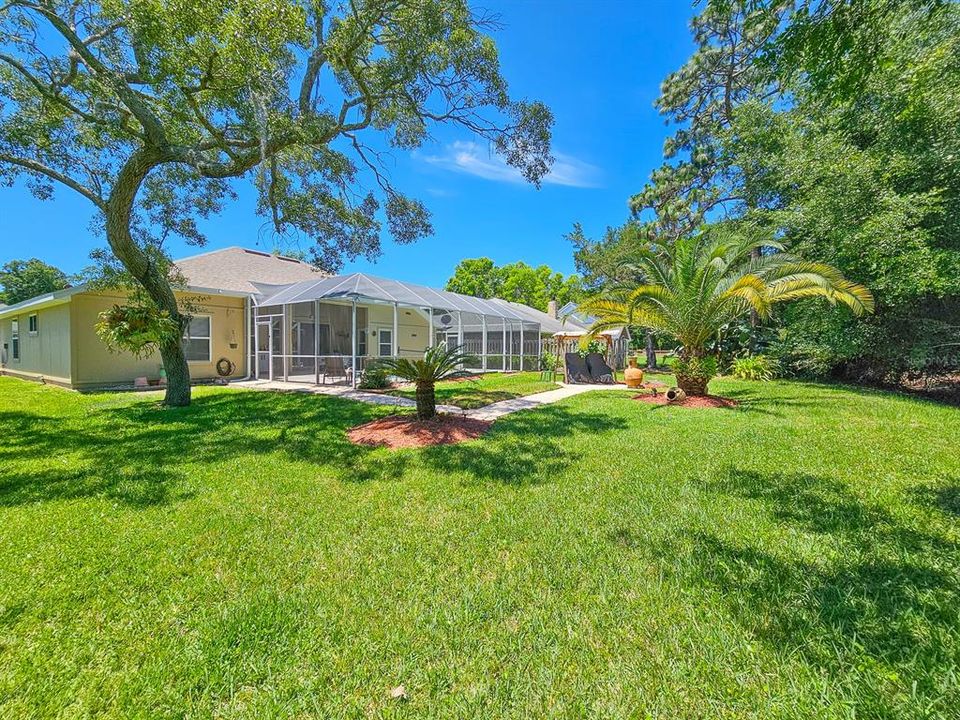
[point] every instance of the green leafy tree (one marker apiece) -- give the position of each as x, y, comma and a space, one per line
702, 99
860, 168
23, 279
438, 363
479, 277
833, 126
517, 282
148, 110
697, 287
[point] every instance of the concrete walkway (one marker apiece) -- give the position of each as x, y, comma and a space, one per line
338, 391
487, 412
505, 407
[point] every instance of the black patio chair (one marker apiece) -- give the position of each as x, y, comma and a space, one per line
600, 372
575, 369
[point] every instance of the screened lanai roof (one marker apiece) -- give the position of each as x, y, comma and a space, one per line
361, 286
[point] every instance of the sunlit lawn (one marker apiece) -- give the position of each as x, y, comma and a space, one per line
489, 388
798, 557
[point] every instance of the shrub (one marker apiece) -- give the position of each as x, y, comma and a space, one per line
754, 367
549, 361
375, 378
439, 363
594, 346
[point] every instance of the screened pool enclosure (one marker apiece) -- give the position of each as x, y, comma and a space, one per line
328, 331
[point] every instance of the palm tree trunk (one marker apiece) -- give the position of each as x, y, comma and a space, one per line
692, 385
426, 400
651, 352
690, 373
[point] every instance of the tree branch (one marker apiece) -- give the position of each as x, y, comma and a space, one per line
315, 63
151, 124
42, 169
47, 91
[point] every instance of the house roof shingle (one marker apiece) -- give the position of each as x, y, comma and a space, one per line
236, 269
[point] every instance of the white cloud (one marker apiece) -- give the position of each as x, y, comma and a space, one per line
471, 158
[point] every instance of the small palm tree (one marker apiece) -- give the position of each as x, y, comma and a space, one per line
696, 288
439, 363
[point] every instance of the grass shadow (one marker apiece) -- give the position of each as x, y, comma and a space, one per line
766, 403
888, 596
140, 454
526, 448
945, 498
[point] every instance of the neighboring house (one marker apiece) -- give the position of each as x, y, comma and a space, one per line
273, 318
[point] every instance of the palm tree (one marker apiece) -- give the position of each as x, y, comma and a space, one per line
696, 288
439, 363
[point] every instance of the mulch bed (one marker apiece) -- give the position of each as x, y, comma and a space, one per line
704, 401
404, 431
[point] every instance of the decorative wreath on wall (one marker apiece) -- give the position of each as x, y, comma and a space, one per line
225, 367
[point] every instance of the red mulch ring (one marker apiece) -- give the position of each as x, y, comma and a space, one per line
704, 401
402, 431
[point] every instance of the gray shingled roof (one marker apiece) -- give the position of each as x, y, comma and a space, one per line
236, 269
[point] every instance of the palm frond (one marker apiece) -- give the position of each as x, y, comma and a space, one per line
438, 363
753, 291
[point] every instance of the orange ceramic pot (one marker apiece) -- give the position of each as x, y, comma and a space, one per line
633, 375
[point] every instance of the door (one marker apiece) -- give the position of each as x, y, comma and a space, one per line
264, 350
270, 347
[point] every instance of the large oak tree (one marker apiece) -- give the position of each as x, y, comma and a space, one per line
148, 108
23, 279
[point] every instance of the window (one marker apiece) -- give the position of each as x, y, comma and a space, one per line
15, 339
386, 343
196, 340
33, 324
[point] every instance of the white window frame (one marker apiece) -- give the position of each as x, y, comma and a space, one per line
35, 318
389, 352
187, 336
15, 349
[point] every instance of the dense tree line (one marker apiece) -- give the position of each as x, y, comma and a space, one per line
518, 282
833, 128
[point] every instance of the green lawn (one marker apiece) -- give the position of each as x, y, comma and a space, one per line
489, 388
798, 557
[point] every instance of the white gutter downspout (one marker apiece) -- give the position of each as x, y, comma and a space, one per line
247, 323
353, 360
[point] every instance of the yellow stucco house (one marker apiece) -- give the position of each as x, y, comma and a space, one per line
258, 315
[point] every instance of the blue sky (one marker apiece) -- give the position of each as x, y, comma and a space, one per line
597, 65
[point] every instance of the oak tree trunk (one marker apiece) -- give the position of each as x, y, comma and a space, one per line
145, 270
426, 401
